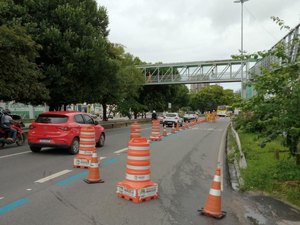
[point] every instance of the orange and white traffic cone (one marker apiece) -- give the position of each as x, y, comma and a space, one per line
137, 186
177, 126
94, 172
213, 203
173, 130
165, 132
186, 125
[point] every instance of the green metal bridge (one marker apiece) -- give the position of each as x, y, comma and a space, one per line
221, 71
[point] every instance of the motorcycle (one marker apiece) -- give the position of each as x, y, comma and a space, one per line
17, 124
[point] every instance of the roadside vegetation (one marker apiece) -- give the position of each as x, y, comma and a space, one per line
269, 127
270, 169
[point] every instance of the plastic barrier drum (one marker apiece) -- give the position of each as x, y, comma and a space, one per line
137, 186
87, 146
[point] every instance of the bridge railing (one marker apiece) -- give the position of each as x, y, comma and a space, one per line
194, 72
290, 43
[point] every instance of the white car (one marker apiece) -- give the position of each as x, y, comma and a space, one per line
188, 116
172, 118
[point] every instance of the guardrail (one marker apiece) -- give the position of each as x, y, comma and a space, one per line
109, 124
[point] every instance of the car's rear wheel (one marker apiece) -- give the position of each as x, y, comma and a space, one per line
74, 148
35, 149
101, 141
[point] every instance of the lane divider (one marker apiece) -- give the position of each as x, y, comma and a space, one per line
7, 208
53, 176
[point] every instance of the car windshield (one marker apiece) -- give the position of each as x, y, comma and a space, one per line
52, 119
171, 115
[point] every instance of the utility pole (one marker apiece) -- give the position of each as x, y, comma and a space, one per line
242, 46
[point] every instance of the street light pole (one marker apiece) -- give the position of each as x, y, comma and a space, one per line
242, 44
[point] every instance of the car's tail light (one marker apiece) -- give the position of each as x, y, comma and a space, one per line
31, 127
64, 128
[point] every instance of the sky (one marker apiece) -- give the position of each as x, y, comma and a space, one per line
171, 31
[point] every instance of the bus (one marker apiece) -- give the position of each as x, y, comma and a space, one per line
224, 110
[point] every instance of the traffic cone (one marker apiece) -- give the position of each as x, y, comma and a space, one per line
135, 130
87, 146
94, 172
165, 132
173, 130
213, 203
177, 126
137, 186
155, 133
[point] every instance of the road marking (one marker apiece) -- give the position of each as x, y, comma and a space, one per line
1, 198
13, 205
6, 156
53, 176
121, 150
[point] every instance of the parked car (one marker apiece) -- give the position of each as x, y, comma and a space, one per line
188, 116
172, 118
109, 116
61, 129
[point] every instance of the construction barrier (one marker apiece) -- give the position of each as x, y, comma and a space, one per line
87, 146
213, 203
137, 186
135, 129
155, 131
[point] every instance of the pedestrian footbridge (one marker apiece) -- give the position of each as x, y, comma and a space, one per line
223, 71
219, 71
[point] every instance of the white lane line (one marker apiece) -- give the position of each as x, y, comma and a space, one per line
1, 198
121, 150
53, 176
100, 158
21, 153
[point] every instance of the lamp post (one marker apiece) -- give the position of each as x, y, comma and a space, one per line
242, 44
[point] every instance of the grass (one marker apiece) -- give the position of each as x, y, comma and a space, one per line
270, 169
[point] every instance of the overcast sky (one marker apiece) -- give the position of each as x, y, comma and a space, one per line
196, 30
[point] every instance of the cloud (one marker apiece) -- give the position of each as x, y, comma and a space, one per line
195, 30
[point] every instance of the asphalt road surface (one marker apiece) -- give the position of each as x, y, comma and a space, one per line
44, 188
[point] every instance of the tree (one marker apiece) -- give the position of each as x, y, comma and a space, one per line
274, 111
20, 79
73, 54
129, 81
209, 97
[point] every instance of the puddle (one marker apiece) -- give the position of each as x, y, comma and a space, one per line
255, 218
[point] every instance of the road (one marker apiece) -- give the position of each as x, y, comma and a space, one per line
183, 164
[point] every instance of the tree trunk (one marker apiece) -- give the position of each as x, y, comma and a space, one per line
104, 117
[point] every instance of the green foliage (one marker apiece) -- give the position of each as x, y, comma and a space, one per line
279, 177
209, 97
19, 76
274, 111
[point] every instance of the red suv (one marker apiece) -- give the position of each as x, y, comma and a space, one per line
61, 129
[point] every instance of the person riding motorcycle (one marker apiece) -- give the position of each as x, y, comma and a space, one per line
6, 121
154, 115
